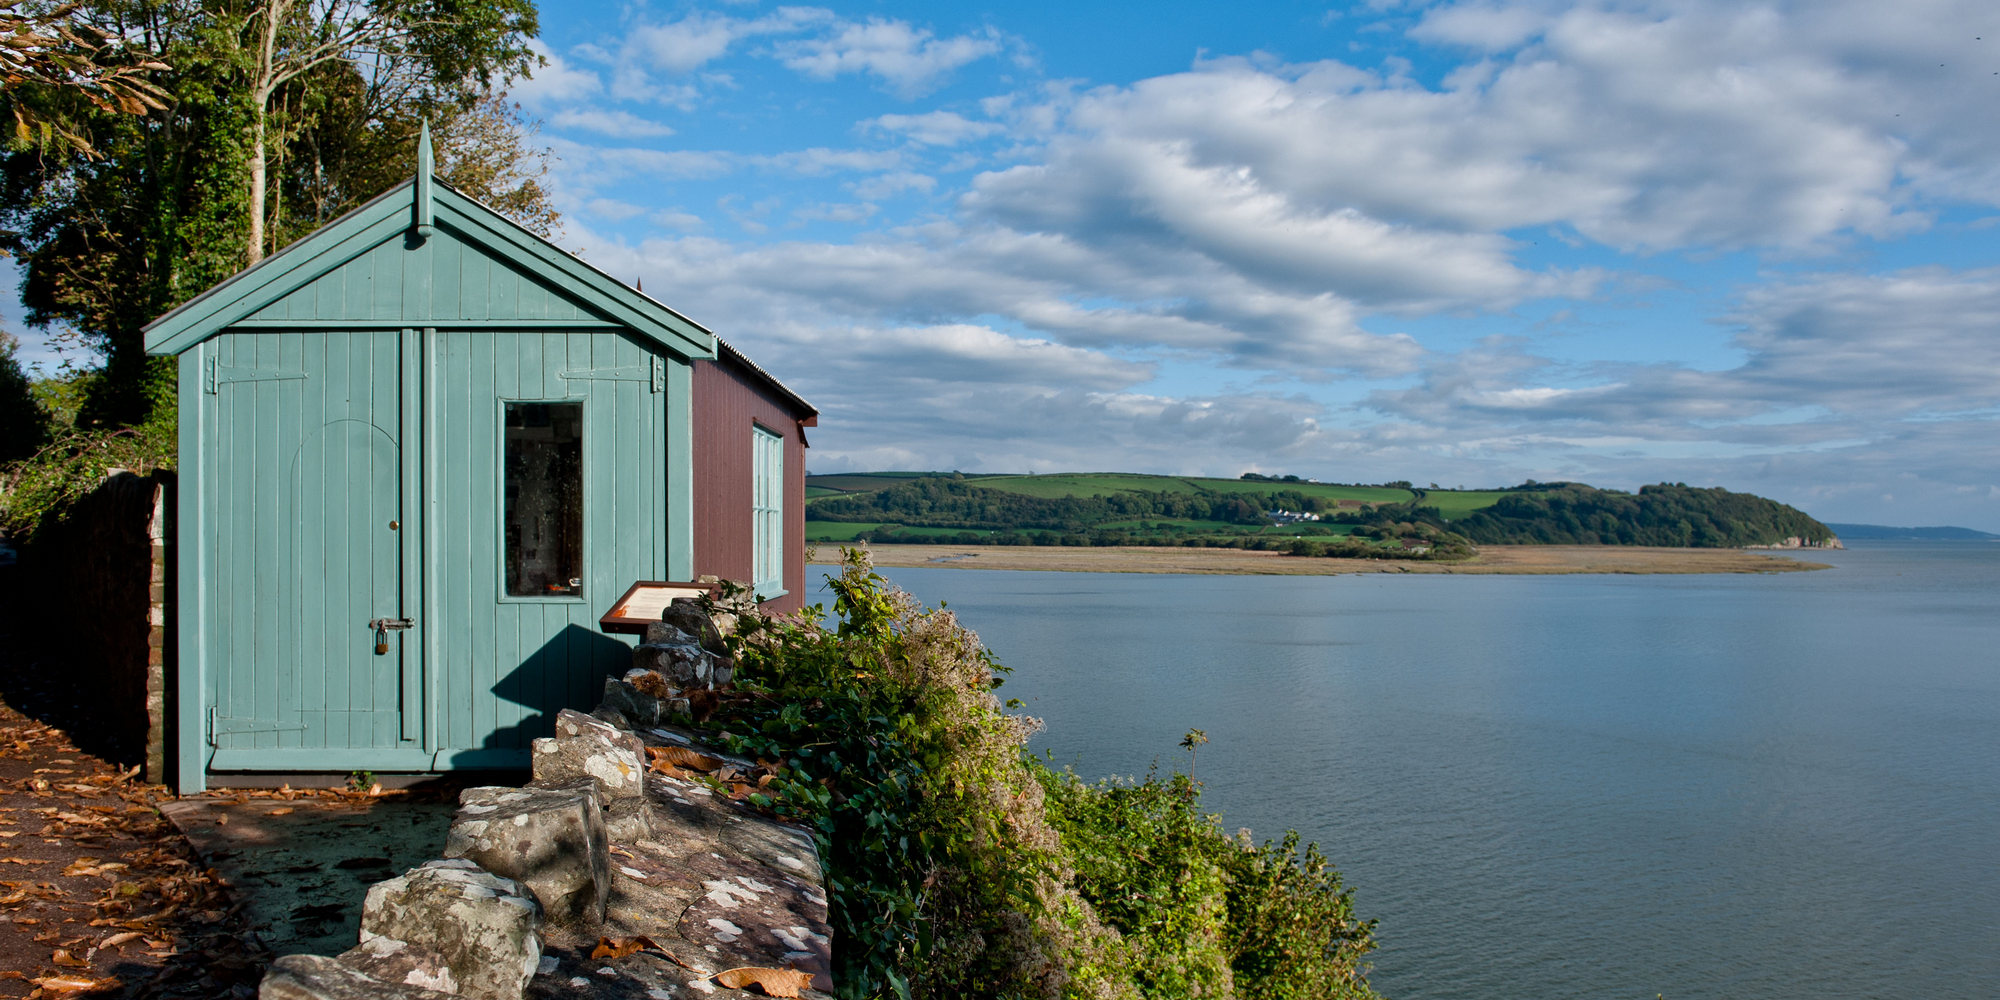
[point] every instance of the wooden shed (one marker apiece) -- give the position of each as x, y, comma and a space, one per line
421, 450
749, 478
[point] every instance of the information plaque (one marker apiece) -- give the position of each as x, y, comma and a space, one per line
642, 604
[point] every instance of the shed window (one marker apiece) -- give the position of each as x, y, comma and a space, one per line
767, 511
544, 499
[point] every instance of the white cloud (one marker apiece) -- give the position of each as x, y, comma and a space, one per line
1139, 253
618, 123
555, 82
934, 128
911, 60
819, 161
692, 42
835, 212
892, 184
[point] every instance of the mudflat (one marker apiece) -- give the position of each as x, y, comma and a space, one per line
1515, 559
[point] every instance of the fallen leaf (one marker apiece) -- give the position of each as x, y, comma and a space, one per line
73, 984
616, 948
121, 938
63, 958
24, 861
683, 757
89, 866
281, 811
774, 982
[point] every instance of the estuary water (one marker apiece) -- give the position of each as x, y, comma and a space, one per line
1781, 786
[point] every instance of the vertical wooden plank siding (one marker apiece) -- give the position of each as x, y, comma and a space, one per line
729, 406
514, 661
308, 435
373, 394
195, 570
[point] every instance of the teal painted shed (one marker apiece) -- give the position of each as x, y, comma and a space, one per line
421, 452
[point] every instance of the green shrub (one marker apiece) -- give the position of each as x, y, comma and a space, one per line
958, 866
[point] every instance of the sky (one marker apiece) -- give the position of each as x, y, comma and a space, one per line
1723, 243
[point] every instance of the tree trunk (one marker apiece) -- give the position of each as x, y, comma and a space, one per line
257, 183
275, 13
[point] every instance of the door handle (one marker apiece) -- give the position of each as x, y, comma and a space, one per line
382, 626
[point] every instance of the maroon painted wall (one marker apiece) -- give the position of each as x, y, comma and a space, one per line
728, 403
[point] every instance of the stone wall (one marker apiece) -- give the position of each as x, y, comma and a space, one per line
97, 587
629, 867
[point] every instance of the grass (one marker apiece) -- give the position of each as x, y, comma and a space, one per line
860, 482
1084, 484
1169, 523
847, 531
822, 491
838, 531
1455, 504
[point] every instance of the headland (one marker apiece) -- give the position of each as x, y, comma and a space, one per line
1491, 559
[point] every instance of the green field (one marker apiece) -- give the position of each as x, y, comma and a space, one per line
859, 482
847, 531
1084, 484
1454, 504
1170, 523
821, 491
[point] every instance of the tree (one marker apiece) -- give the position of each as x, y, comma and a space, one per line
43, 45
408, 52
22, 427
169, 204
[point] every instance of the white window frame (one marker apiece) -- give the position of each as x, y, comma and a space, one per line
767, 512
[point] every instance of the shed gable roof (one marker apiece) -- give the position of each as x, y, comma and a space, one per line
476, 268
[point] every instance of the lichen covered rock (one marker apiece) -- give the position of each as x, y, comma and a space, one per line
486, 926
551, 839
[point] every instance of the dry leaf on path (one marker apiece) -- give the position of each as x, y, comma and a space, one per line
73, 984
617, 948
683, 757
774, 982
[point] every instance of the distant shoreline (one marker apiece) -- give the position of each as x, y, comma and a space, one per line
1520, 560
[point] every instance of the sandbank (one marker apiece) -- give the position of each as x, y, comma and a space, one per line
1509, 559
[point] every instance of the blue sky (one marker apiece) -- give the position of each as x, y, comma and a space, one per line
1725, 243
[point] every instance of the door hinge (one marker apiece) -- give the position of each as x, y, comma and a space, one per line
654, 374
216, 719
214, 375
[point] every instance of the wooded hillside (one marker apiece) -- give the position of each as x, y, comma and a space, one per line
1151, 510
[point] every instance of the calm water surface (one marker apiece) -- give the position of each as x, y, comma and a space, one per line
1713, 786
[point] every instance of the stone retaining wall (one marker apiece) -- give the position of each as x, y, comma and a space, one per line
622, 870
98, 585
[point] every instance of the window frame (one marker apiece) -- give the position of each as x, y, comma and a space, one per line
582, 594
767, 511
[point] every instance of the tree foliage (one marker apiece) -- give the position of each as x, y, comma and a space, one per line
45, 46
948, 502
1666, 514
322, 98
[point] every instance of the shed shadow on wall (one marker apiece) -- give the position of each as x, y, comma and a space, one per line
568, 671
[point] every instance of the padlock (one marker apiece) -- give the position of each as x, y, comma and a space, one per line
382, 627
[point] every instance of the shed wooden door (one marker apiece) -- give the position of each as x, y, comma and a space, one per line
315, 542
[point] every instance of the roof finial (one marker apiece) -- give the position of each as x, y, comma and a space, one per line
426, 166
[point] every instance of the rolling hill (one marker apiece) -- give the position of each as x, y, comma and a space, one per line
1267, 512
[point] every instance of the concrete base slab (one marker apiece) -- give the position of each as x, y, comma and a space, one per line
301, 868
